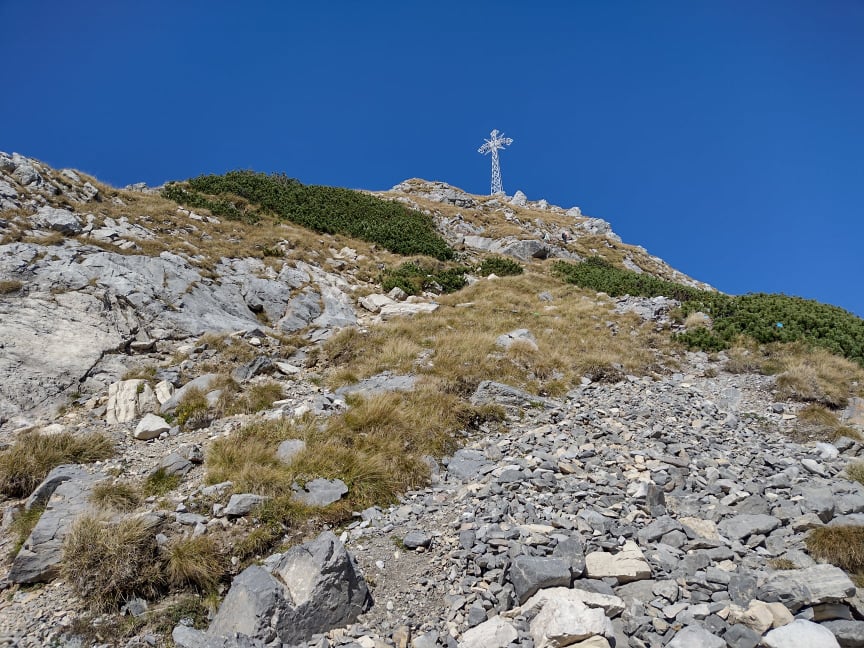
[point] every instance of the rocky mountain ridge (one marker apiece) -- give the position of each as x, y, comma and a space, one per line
669, 508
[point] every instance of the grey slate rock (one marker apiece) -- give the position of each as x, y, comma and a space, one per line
242, 504
416, 539
740, 636
497, 393
321, 492
256, 367
38, 560
467, 464
797, 588
695, 636
742, 526
324, 586
530, 573
57, 476
174, 464
849, 634
255, 598
572, 549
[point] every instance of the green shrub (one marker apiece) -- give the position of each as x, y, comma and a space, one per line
414, 278
245, 195
500, 266
159, 483
762, 317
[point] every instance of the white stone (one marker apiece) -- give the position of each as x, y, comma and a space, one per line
164, 391
494, 633
150, 427
127, 400
563, 621
610, 604
374, 303
627, 565
800, 634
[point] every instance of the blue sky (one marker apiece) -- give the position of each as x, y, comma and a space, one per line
726, 136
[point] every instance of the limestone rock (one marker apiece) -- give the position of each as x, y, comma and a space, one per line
693, 636
289, 449
174, 464
563, 621
627, 565
797, 588
39, 558
800, 634
129, 399
242, 504
321, 492
150, 427
494, 633
59, 220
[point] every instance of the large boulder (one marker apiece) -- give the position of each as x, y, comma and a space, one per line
129, 399
59, 220
311, 589
38, 560
797, 588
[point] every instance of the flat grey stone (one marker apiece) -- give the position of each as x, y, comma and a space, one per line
531, 573
289, 449
38, 561
849, 634
745, 525
415, 539
321, 492
174, 464
797, 588
242, 504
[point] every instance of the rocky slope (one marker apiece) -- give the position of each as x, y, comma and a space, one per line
660, 510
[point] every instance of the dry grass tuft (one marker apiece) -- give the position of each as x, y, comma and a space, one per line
842, 546
159, 483
106, 563
454, 348
815, 375
781, 564
10, 286
855, 471
196, 562
21, 527
24, 465
818, 423
253, 398
119, 496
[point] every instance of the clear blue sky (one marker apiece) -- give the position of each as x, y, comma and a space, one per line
725, 136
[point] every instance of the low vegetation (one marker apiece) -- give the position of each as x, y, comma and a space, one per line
499, 266
762, 317
804, 373
22, 525
246, 195
160, 482
842, 546
120, 496
10, 286
456, 347
194, 562
855, 471
33, 454
107, 563
415, 277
